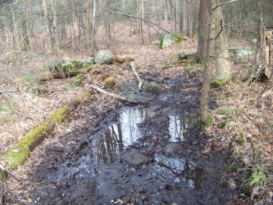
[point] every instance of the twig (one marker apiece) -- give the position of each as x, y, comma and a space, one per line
140, 82
116, 96
221, 4
7, 172
8, 91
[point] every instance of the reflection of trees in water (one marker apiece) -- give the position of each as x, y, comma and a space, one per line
184, 170
178, 123
122, 134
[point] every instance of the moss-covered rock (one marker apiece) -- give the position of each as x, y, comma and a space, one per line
70, 68
169, 39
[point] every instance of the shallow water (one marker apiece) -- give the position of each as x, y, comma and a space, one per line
125, 132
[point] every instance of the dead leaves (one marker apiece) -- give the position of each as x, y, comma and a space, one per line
232, 184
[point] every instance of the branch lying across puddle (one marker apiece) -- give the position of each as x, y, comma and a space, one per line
118, 97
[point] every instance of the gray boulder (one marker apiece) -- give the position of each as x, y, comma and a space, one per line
167, 41
104, 57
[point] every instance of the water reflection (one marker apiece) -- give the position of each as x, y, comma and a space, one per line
120, 135
125, 132
179, 170
178, 123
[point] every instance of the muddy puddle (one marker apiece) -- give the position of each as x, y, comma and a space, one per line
109, 145
150, 155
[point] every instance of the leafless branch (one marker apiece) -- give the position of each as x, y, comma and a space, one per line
135, 17
221, 4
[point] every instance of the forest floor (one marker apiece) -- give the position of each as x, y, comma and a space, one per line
170, 154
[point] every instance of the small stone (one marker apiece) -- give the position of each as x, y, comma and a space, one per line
195, 142
172, 149
134, 157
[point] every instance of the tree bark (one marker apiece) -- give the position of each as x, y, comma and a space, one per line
203, 31
223, 73
48, 27
207, 74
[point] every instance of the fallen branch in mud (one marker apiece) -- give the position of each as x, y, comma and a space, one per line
140, 82
118, 97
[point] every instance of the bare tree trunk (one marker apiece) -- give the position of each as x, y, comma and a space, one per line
203, 31
107, 24
55, 28
15, 29
263, 55
90, 25
207, 74
223, 73
49, 42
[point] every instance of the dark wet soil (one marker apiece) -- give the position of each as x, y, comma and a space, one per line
142, 154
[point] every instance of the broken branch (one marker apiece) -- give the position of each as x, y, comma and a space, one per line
140, 82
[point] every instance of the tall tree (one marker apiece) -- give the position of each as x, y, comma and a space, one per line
203, 30
223, 72
207, 74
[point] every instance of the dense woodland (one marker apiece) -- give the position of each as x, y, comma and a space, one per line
49, 26
33, 32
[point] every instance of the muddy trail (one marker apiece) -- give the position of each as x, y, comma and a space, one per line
135, 154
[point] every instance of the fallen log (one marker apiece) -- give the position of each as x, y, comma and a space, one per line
118, 97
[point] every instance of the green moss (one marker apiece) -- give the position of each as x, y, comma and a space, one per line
177, 38
224, 96
189, 68
236, 167
222, 125
84, 95
245, 190
247, 75
6, 112
228, 111
209, 121
20, 151
78, 80
239, 138
195, 36
29, 79
88, 67
58, 116
153, 87
109, 82
218, 83
17, 155
161, 43
2, 174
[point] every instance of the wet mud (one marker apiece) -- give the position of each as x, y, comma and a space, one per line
152, 154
